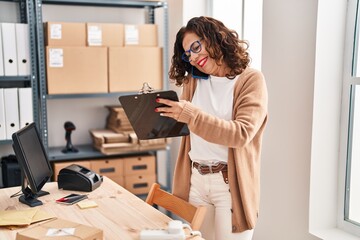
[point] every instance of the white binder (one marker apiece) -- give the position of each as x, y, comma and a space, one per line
9, 49
11, 111
22, 48
2, 116
26, 114
1, 55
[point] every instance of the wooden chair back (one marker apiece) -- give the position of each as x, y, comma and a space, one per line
185, 210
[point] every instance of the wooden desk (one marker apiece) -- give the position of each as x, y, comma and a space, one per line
120, 214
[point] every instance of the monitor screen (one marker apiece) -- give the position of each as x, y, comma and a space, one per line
34, 164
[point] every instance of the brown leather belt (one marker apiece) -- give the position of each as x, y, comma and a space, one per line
205, 169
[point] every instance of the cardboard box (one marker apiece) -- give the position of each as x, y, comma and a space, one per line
105, 34
65, 34
76, 70
139, 165
52, 230
130, 67
143, 35
139, 184
60, 165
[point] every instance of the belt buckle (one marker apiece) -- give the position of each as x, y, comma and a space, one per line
201, 167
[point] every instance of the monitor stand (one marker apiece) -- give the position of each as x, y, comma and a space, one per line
29, 198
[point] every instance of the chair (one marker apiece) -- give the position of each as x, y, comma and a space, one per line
185, 210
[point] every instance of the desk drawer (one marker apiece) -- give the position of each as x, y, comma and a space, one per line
139, 184
139, 165
108, 167
60, 165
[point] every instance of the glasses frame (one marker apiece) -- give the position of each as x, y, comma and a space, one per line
185, 57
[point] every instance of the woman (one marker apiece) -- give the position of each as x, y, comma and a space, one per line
224, 103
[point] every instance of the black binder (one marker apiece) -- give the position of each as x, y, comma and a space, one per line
148, 124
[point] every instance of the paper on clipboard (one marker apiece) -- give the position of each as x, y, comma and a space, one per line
148, 124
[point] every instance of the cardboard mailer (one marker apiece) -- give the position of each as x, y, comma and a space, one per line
58, 229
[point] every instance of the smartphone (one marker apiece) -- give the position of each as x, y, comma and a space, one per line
196, 73
71, 199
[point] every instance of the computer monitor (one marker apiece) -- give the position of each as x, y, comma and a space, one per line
34, 164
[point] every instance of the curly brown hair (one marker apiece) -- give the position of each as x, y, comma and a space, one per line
222, 44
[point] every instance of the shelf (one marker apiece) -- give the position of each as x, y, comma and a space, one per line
14, 78
87, 95
15, 81
7, 141
108, 3
88, 151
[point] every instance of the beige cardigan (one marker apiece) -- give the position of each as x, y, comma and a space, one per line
243, 136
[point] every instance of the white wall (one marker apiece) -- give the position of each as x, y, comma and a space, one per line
288, 63
325, 139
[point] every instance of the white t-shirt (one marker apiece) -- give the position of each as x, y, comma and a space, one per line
214, 96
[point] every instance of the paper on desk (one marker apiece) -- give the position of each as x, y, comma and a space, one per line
87, 204
25, 217
42, 216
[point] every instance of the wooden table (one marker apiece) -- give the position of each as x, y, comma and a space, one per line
120, 214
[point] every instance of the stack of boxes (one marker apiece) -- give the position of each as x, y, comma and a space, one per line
117, 120
101, 57
119, 136
104, 58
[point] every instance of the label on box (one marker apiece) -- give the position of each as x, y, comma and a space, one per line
55, 31
131, 35
56, 57
94, 36
56, 232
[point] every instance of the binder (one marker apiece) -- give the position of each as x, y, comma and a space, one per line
148, 124
9, 49
11, 111
22, 48
2, 116
1, 55
26, 115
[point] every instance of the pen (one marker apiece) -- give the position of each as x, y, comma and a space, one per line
65, 199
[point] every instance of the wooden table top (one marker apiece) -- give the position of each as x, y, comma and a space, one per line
120, 214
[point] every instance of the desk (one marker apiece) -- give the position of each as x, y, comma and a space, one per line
120, 214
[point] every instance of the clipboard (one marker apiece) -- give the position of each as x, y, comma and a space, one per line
148, 124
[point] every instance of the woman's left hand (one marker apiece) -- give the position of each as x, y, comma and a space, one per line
172, 110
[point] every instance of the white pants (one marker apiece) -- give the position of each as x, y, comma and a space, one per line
211, 191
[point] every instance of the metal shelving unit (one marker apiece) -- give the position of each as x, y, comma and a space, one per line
26, 15
149, 7
88, 151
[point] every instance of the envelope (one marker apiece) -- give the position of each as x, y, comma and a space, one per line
19, 218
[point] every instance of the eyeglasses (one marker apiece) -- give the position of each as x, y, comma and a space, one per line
195, 47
